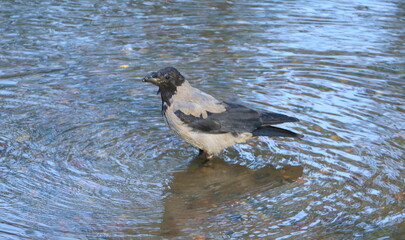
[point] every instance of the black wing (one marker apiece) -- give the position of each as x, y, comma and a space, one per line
236, 118
271, 118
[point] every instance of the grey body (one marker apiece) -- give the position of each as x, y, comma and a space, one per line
192, 101
207, 123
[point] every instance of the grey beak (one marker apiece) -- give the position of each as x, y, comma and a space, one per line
152, 78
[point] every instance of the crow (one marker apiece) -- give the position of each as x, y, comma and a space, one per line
209, 124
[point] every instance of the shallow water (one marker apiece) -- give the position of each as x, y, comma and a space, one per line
85, 153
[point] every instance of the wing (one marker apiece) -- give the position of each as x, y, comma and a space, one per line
235, 118
271, 118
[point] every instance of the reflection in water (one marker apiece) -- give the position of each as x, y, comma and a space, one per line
199, 190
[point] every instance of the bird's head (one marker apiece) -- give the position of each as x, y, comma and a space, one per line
167, 77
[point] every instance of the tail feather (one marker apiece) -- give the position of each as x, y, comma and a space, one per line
270, 131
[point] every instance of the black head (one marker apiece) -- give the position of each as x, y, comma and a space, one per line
165, 78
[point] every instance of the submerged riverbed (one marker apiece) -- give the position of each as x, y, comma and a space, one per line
85, 152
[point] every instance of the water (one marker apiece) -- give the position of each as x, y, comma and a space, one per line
85, 153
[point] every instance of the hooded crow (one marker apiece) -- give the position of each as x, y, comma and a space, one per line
209, 124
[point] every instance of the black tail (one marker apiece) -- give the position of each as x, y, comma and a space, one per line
270, 131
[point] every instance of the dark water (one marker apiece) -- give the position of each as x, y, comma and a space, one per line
85, 153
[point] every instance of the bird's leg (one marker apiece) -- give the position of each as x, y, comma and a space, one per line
203, 154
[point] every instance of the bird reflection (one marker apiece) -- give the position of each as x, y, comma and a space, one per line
201, 187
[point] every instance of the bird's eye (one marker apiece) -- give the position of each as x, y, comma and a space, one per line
167, 76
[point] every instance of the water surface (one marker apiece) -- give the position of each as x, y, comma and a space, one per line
85, 153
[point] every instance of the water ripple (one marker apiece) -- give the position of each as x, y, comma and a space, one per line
85, 153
